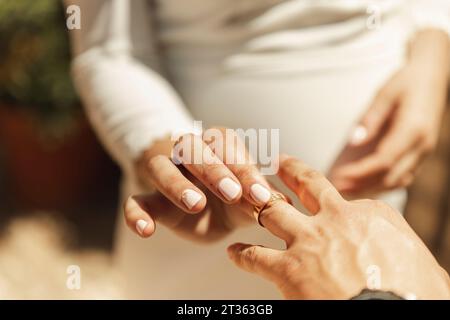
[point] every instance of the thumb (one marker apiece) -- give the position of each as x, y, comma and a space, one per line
142, 211
257, 259
374, 119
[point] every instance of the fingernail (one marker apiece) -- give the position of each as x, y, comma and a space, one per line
359, 135
229, 188
140, 226
190, 198
259, 193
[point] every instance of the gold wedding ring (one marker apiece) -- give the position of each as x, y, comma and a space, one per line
257, 210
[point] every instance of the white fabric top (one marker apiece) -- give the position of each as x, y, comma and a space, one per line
118, 51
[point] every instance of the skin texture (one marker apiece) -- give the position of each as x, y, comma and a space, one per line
328, 255
156, 169
402, 128
334, 253
403, 122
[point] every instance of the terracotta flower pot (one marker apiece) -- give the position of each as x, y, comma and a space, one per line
65, 174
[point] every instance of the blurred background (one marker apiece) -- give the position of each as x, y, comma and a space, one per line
58, 187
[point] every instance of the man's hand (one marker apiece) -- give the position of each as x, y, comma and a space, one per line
343, 248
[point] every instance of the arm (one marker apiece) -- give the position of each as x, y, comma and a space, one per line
115, 71
404, 120
134, 110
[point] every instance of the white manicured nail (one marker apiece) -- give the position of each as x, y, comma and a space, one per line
190, 198
229, 188
140, 226
260, 193
359, 135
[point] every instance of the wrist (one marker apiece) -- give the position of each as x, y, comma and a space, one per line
429, 53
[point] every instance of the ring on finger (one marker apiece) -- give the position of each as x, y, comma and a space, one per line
257, 210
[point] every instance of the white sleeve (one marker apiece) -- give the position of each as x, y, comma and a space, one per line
431, 14
114, 70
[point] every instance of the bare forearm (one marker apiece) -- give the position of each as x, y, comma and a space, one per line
430, 51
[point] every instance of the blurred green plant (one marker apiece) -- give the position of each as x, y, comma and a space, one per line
35, 62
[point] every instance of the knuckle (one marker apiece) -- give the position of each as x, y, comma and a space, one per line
249, 256
244, 172
211, 170
291, 164
172, 181
272, 207
311, 174
333, 201
326, 195
154, 162
307, 176
379, 204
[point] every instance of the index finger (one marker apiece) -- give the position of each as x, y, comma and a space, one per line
283, 220
229, 147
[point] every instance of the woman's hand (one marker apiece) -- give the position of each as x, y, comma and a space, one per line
403, 122
342, 249
214, 172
